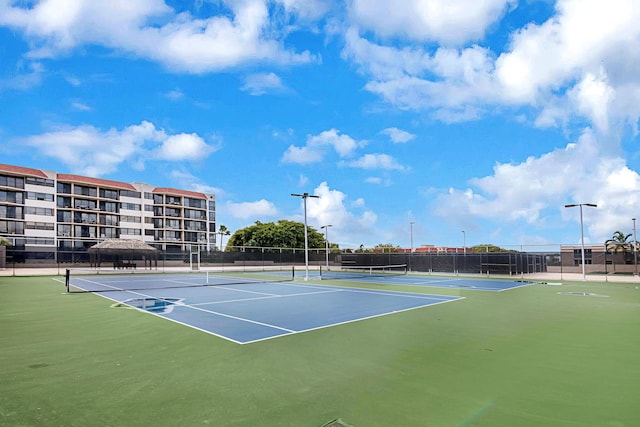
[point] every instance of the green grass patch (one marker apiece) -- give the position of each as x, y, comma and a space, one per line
538, 355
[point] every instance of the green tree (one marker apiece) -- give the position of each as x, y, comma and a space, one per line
619, 242
284, 234
4, 242
489, 248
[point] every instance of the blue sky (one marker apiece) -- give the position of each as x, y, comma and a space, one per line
453, 115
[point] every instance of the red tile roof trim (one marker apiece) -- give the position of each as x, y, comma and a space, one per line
95, 181
22, 171
173, 191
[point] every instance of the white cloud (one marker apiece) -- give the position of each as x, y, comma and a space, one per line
183, 146
251, 210
445, 21
191, 182
261, 83
347, 225
582, 63
535, 190
373, 180
317, 147
80, 106
90, 151
28, 75
398, 136
307, 9
153, 30
376, 161
174, 95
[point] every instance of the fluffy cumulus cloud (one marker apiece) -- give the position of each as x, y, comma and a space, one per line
376, 161
563, 68
251, 210
261, 83
398, 136
240, 33
183, 147
348, 219
540, 186
90, 151
306, 9
318, 146
444, 21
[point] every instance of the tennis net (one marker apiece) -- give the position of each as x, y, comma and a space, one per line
347, 272
93, 280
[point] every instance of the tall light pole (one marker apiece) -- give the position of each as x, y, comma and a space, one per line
411, 234
305, 196
464, 242
326, 241
591, 205
411, 250
635, 248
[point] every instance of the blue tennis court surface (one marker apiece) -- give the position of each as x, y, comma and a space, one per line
247, 313
478, 284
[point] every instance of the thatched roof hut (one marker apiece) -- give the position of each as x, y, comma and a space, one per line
122, 252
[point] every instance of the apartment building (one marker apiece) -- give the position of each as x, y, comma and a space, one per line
49, 215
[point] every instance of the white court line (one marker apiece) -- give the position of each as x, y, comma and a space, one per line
356, 320
181, 304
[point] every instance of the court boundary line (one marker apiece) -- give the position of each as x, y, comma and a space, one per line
427, 283
354, 320
285, 331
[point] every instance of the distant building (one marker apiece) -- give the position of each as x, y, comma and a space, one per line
50, 214
424, 249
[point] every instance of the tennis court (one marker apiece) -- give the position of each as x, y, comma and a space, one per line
398, 275
248, 309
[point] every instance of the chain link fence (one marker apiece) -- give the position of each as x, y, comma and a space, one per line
523, 260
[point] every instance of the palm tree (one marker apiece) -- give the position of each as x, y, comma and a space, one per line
223, 231
619, 242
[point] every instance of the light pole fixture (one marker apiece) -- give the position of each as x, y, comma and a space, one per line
305, 196
591, 205
464, 242
326, 241
635, 248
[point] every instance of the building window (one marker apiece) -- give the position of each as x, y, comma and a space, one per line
64, 188
81, 190
11, 197
131, 231
64, 230
129, 218
40, 196
11, 181
108, 194
64, 216
109, 206
129, 193
577, 257
31, 210
85, 204
63, 202
11, 227
30, 225
40, 181
171, 200
130, 206
172, 212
